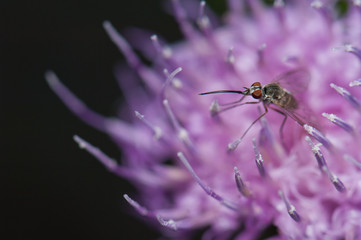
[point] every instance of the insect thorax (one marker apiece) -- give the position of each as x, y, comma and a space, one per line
274, 93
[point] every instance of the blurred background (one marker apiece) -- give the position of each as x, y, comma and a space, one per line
51, 189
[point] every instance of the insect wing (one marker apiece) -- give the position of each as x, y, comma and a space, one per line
295, 81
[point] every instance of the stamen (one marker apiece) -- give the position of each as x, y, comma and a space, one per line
140, 209
233, 145
241, 186
183, 23
279, 3
352, 49
165, 52
290, 208
320, 7
260, 53
357, 3
108, 162
337, 183
230, 57
318, 136
352, 160
317, 152
182, 132
338, 122
146, 74
203, 20
75, 104
356, 82
206, 188
214, 108
265, 135
156, 130
291, 59
167, 223
259, 159
171, 78
317, 4
279, 7
234, 6
347, 95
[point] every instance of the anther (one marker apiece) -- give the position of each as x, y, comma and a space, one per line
230, 57
259, 159
318, 136
338, 122
203, 20
352, 49
260, 53
356, 82
290, 208
241, 186
317, 4
233, 145
206, 188
214, 108
337, 183
156, 130
265, 136
317, 152
167, 223
347, 95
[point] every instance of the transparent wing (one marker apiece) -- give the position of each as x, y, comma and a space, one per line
295, 81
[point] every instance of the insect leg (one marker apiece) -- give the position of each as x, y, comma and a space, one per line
236, 105
234, 144
230, 103
282, 124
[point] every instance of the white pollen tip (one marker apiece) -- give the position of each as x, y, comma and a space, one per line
107, 24
165, 102
183, 134
51, 78
158, 133
177, 83
80, 141
154, 37
138, 115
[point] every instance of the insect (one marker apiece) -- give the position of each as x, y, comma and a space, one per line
280, 95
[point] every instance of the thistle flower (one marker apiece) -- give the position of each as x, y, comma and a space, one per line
176, 143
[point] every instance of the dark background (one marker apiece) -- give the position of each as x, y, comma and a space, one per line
51, 189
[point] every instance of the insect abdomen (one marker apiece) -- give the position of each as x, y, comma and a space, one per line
287, 101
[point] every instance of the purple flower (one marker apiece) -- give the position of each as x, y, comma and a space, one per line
188, 157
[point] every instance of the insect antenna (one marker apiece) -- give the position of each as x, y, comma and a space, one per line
225, 91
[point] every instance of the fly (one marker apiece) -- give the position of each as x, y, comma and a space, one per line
280, 95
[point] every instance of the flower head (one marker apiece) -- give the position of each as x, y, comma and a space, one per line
198, 161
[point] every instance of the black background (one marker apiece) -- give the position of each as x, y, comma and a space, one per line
51, 189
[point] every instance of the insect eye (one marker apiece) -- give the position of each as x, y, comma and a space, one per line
257, 94
256, 84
